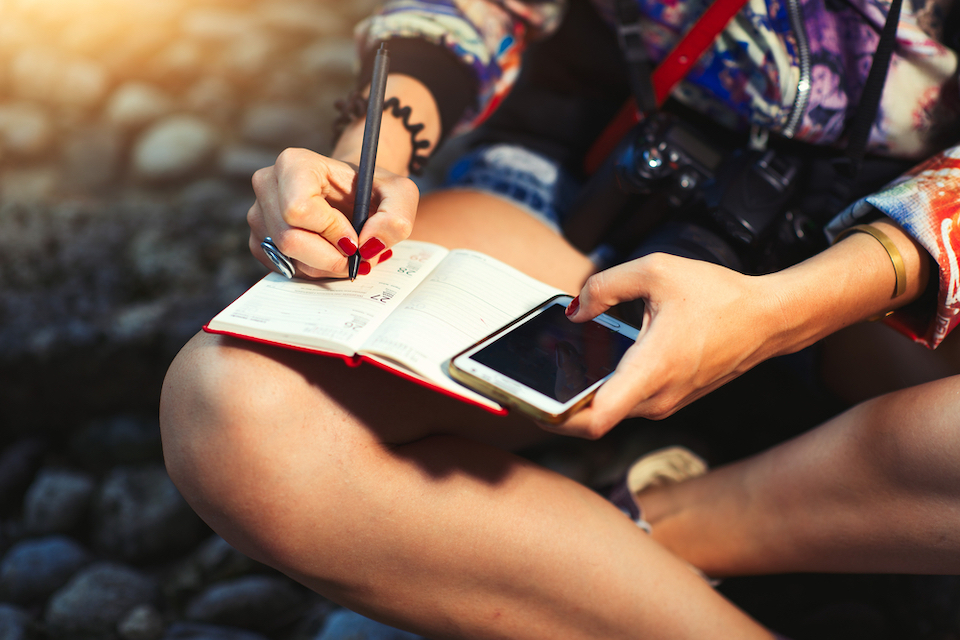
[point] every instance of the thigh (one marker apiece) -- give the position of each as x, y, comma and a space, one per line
471, 219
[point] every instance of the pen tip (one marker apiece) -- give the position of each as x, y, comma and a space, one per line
353, 266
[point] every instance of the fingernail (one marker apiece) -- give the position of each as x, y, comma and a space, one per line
573, 306
371, 248
386, 255
364, 268
346, 245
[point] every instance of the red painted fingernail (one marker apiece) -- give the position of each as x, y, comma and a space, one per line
371, 248
364, 268
573, 306
386, 255
346, 245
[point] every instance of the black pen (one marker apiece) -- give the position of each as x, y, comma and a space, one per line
368, 152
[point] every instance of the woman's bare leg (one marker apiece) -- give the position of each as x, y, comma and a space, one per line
876, 489
406, 505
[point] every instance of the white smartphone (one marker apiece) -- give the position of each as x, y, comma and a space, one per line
542, 363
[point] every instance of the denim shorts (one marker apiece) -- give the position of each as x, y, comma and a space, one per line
535, 183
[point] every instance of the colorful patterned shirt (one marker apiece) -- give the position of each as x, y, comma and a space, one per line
794, 67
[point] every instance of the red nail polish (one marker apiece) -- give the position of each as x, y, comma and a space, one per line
386, 255
371, 248
364, 268
346, 245
572, 307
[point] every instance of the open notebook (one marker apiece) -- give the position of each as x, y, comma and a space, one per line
410, 315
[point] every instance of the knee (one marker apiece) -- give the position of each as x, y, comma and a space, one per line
909, 437
215, 419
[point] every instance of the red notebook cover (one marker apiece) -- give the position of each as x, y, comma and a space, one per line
356, 361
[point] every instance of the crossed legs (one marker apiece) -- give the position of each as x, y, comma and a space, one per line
409, 507
875, 489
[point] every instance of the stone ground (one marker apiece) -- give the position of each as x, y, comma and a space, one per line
128, 134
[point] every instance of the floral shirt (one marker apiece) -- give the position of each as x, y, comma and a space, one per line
794, 67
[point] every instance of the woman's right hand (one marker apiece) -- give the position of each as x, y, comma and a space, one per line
305, 204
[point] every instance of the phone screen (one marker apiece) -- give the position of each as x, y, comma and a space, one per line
555, 356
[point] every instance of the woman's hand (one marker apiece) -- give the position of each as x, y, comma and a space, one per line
703, 325
305, 204
305, 200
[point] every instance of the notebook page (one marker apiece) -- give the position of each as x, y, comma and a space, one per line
333, 315
467, 297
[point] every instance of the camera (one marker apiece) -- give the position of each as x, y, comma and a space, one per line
670, 187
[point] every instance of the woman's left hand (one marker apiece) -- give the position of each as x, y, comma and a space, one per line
703, 326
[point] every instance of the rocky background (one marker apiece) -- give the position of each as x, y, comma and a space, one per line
128, 135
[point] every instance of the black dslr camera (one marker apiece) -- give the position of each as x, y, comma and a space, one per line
669, 187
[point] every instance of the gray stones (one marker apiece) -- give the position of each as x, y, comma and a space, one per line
14, 623
56, 501
91, 157
143, 622
25, 129
280, 125
140, 515
128, 136
93, 603
257, 602
35, 568
200, 631
347, 625
136, 104
241, 161
174, 148
43, 74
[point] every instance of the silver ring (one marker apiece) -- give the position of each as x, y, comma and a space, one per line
280, 261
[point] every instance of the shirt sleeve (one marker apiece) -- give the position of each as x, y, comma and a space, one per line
924, 202
467, 52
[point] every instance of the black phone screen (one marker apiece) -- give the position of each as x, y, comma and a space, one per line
555, 356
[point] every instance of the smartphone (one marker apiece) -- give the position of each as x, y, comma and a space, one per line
542, 363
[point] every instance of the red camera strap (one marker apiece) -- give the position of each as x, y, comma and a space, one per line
666, 76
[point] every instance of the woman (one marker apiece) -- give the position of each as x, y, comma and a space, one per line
409, 507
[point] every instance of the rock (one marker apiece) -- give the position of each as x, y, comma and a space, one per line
91, 157
25, 129
329, 56
344, 624
280, 125
44, 75
245, 58
93, 603
140, 515
213, 97
14, 623
57, 501
136, 104
303, 17
33, 569
241, 161
29, 185
258, 602
177, 61
117, 440
18, 464
198, 631
174, 148
143, 622
218, 24
213, 561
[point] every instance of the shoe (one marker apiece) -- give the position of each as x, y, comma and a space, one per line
655, 469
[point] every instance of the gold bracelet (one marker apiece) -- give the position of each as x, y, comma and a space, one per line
900, 271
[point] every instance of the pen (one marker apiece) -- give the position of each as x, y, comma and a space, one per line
368, 151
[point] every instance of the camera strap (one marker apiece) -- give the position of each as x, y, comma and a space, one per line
651, 87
